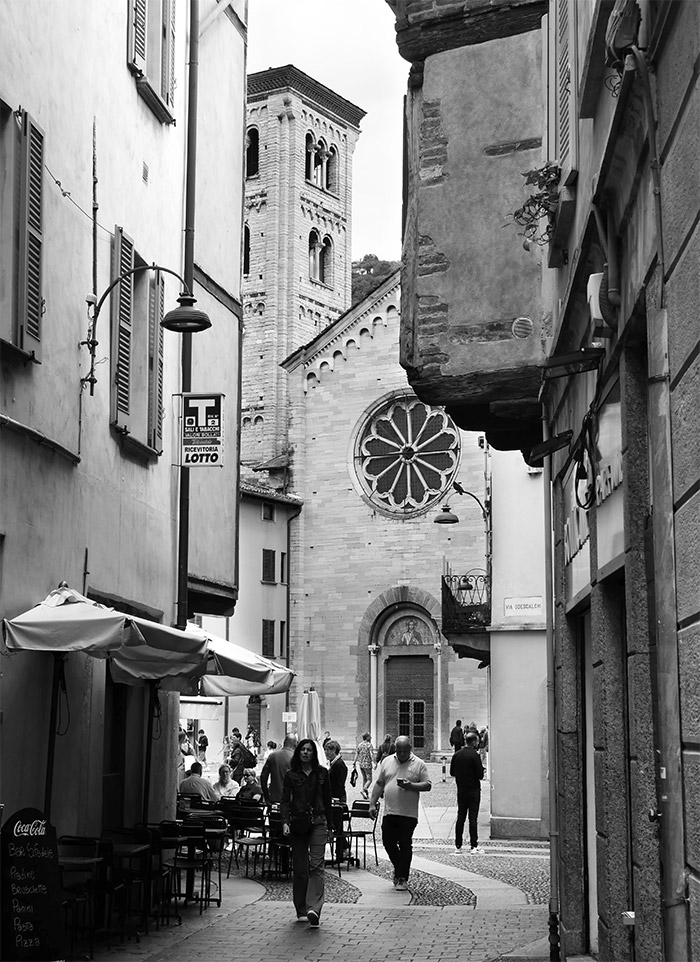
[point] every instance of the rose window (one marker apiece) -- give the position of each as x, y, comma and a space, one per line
406, 455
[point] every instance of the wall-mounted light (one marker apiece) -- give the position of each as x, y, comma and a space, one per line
577, 362
446, 516
186, 319
543, 450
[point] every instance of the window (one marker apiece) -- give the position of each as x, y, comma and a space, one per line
283, 567
268, 638
406, 455
246, 250
411, 721
320, 258
21, 216
283, 639
321, 164
252, 152
151, 54
136, 356
332, 171
268, 566
563, 86
268, 511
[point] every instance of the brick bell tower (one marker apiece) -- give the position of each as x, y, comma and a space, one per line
296, 246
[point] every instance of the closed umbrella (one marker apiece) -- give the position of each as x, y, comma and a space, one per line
309, 724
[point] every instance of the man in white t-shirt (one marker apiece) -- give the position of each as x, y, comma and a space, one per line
400, 777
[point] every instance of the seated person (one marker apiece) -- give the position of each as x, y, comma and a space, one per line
225, 787
194, 784
251, 790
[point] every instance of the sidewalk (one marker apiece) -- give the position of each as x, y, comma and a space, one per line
481, 908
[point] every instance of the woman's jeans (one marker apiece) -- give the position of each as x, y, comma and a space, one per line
308, 853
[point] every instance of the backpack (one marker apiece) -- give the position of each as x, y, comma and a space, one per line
249, 759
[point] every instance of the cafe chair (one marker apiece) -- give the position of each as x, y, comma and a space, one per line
78, 861
169, 831
215, 831
362, 826
279, 846
133, 868
192, 856
247, 828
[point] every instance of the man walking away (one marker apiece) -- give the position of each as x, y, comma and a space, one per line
273, 771
400, 779
467, 771
457, 736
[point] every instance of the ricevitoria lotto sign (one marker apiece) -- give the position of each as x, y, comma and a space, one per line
202, 430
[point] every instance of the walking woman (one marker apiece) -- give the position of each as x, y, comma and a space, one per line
307, 816
364, 760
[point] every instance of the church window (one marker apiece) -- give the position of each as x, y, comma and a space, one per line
406, 455
252, 152
246, 250
332, 171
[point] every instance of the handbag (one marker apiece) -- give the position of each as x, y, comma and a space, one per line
300, 824
353, 777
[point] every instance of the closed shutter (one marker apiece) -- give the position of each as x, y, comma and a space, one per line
122, 329
30, 302
156, 301
566, 90
268, 565
168, 53
268, 638
138, 26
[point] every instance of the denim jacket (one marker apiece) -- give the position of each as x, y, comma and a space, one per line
298, 796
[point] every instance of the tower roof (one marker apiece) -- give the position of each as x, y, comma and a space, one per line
280, 78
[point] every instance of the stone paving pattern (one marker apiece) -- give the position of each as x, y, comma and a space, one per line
480, 908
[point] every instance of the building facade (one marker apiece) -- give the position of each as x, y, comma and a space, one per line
616, 228
93, 123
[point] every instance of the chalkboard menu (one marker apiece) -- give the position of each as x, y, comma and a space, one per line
30, 879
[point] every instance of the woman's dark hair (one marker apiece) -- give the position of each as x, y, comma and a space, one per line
296, 758
388, 739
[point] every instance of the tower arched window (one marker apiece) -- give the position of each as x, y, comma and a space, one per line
332, 170
325, 262
314, 256
252, 152
246, 250
309, 157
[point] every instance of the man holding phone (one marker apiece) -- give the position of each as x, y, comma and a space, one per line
400, 778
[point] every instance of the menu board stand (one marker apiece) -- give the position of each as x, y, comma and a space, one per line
30, 889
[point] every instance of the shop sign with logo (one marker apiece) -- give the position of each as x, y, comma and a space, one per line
202, 431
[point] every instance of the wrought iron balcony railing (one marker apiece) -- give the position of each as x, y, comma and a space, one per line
466, 602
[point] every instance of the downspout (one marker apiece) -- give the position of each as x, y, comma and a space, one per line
554, 947
291, 517
674, 898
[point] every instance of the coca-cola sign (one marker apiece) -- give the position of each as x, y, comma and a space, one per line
35, 827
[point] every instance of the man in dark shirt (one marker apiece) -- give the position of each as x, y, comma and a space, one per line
467, 771
457, 736
273, 771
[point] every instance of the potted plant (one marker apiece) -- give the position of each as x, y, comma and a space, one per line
541, 205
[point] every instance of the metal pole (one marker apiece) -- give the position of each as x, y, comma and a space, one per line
186, 356
554, 947
51, 749
152, 698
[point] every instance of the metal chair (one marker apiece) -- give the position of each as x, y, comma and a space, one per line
192, 856
78, 888
279, 846
359, 813
247, 832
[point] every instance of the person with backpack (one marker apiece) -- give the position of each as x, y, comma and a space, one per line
457, 736
237, 759
202, 745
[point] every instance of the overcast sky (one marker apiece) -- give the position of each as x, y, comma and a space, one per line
350, 46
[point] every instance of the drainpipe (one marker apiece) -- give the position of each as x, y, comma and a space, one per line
554, 953
290, 517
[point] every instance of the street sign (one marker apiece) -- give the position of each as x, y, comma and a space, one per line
202, 431
289, 716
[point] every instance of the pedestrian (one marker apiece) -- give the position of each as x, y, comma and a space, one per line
338, 771
400, 778
457, 736
236, 760
364, 759
307, 817
484, 747
269, 749
202, 745
275, 768
467, 771
326, 738
387, 747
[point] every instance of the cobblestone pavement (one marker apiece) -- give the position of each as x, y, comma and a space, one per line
482, 908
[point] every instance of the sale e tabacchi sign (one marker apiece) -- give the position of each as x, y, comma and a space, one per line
202, 430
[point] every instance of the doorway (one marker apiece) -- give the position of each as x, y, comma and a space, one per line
409, 706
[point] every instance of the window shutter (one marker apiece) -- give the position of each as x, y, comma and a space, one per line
168, 53
268, 638
122, 329
29, 301
566, 96
138, 26
268, 565
156, 302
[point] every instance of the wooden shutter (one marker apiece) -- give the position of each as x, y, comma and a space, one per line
156, 302
168, 54
268, 638
268, 565
122, 329
138, 33
566, 90
30, 303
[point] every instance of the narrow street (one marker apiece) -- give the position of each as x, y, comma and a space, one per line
472, 908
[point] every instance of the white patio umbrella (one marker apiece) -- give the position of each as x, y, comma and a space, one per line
309, 723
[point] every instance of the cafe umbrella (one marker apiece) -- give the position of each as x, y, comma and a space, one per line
309, 724
140, 652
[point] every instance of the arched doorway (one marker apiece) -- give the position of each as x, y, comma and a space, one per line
408, 700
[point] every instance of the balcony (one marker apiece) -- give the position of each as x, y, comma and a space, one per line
466, 614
